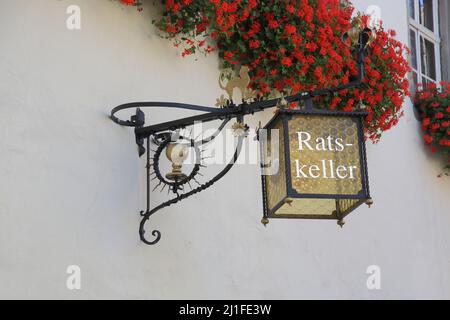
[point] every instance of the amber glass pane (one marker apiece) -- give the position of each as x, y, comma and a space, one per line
344, 206
325, 156
276, 183
309, 209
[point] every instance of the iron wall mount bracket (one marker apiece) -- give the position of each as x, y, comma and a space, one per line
160, 133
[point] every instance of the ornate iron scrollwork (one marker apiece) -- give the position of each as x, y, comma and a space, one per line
162, 135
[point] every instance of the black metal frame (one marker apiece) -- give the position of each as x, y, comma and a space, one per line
162, 134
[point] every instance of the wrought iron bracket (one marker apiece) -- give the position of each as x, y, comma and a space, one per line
161, 134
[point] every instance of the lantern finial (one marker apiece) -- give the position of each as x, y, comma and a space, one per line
265, 222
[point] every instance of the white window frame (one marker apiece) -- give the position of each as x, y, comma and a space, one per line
432, 36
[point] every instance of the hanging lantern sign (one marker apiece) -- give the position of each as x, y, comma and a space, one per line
314, 161
320, 169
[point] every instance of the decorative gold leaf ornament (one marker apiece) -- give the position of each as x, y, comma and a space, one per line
282, 103
240, 130
250, 95
222, 102
241, 82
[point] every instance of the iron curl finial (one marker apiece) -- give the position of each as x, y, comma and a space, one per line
155, 233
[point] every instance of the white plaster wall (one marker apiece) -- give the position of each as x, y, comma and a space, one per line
71, 182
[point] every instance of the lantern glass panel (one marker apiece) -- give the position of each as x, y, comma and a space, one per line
308, 208
276, 181
325, 155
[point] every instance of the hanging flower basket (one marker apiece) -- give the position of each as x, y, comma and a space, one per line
433, 104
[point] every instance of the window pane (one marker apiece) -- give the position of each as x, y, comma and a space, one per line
413, 43
425, 81
428, 58
413, 82
411, 9
426, 13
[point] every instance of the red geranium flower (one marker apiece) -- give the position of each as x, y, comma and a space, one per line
298, 46
433, 104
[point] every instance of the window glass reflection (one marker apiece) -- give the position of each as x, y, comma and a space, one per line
426, 13
411, 9
413, 43
428, 58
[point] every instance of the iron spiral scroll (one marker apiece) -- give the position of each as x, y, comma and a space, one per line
161, 141
176, 187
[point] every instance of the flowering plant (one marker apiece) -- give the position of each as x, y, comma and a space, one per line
433, 104
291, 46
131, 2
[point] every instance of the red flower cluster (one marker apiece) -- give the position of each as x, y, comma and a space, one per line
434, 106
129, 2
296, 45
135, 3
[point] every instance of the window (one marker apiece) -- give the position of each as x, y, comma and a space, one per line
424, 40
